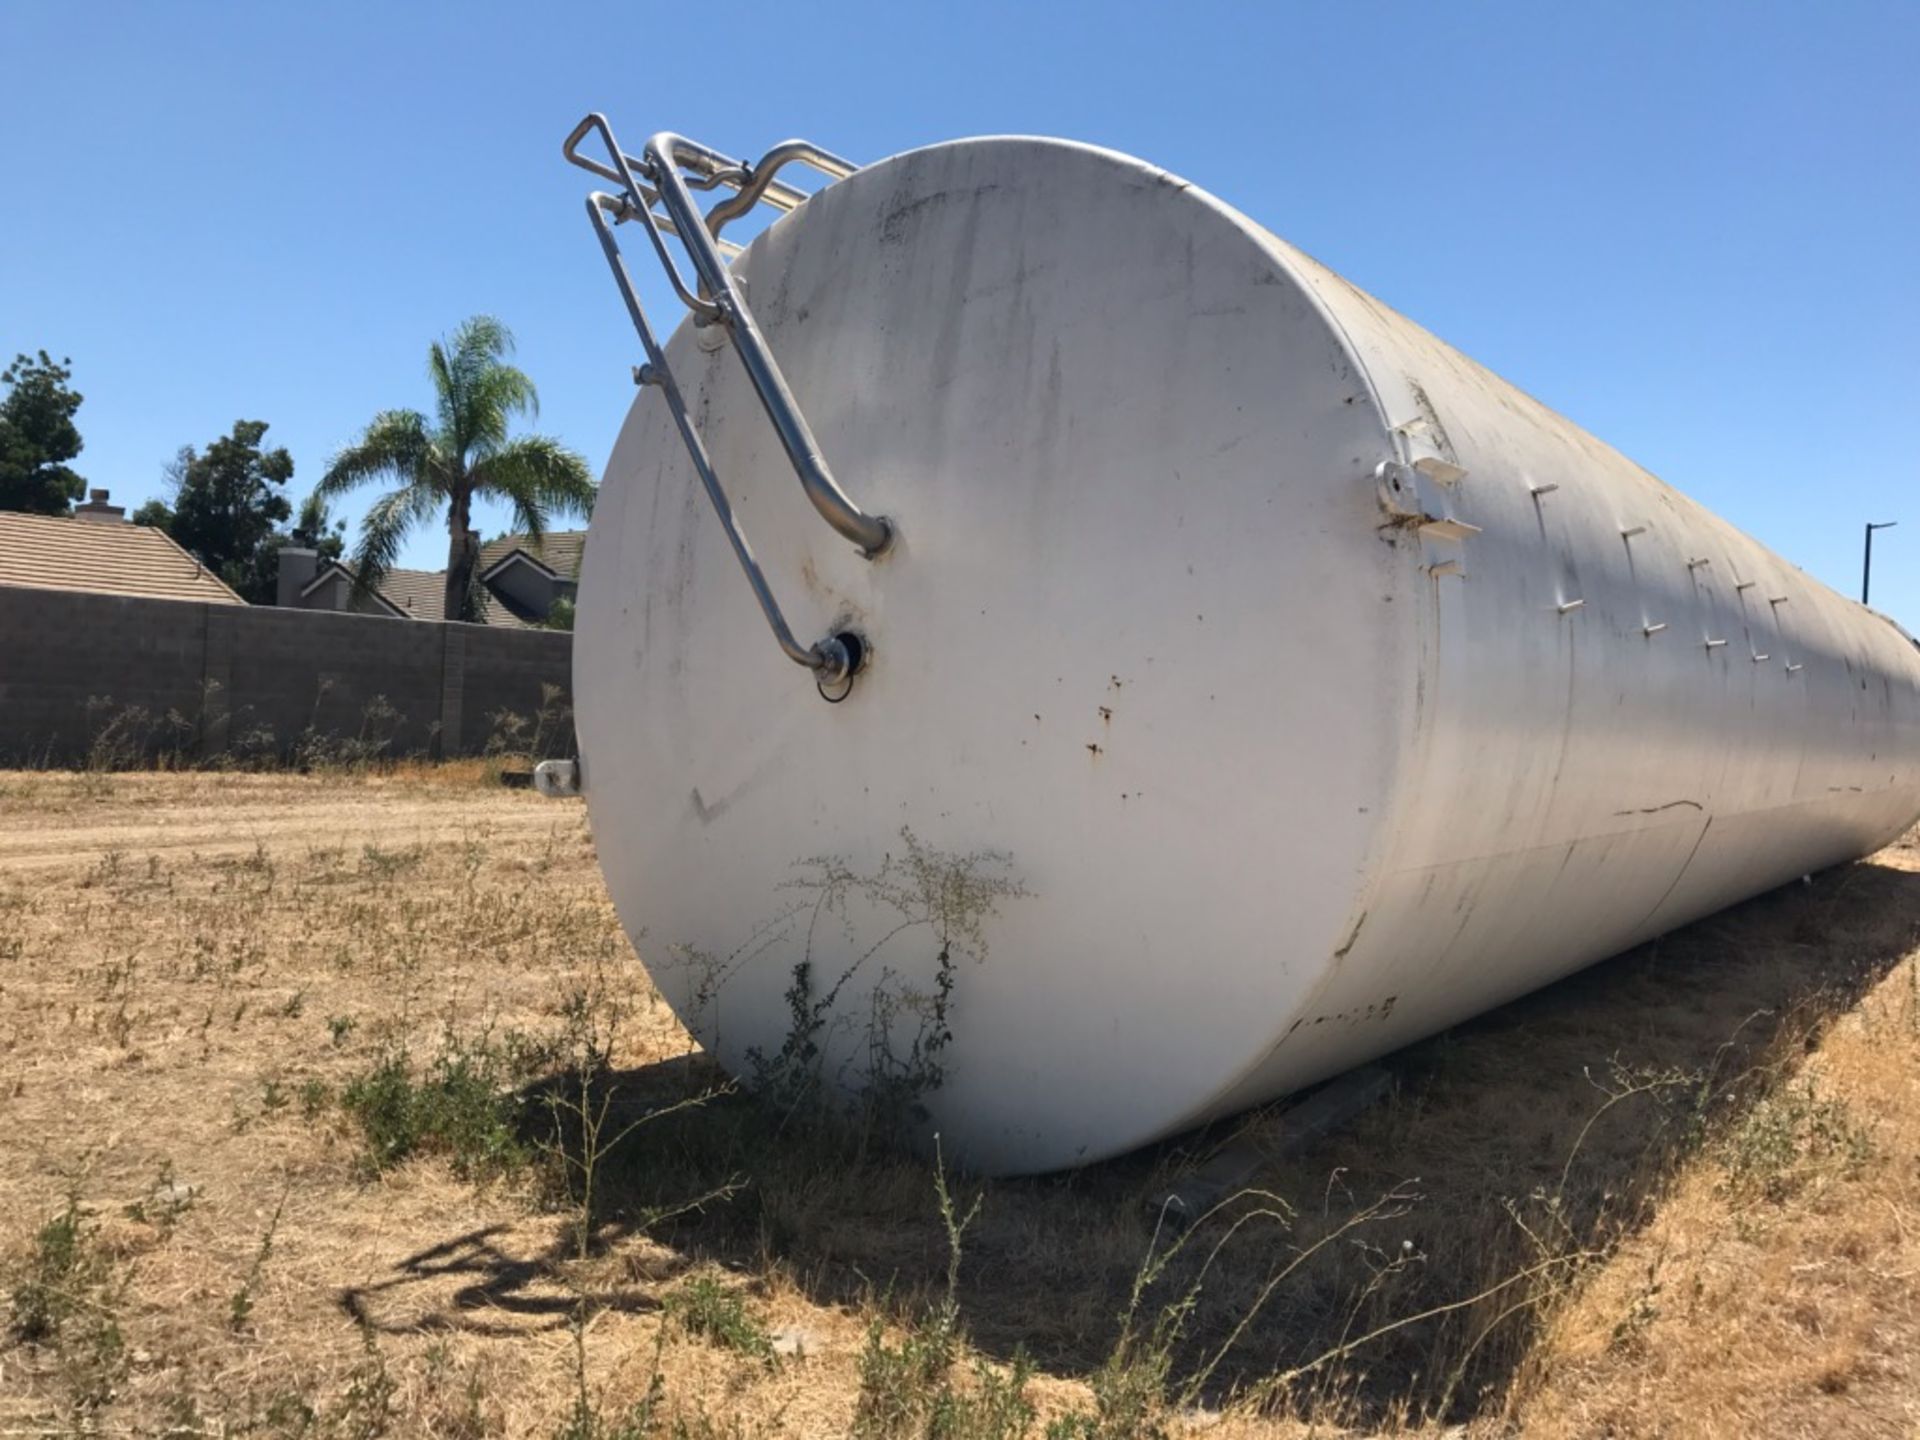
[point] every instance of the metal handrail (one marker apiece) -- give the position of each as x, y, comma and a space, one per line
599, 205
664, 153
648, 194
718, 300
757, 179
761, 187
640, 203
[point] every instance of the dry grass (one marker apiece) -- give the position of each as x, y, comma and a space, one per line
1675, 1195
1776, 1289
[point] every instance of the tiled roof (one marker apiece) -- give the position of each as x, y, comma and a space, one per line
106, 557
558, 550
422, 595
419, 594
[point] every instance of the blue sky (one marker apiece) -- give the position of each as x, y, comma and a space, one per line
1694, 228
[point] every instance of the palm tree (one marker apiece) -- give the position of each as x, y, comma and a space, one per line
462, 454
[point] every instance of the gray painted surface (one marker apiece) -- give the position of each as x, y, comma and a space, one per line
83, 673
297, 567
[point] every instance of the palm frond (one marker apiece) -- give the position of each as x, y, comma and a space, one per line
395, 446
477, 391
446, 385
540, 478
494, 396
384, 529
482, 339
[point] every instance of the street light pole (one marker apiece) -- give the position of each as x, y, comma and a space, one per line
1866, 565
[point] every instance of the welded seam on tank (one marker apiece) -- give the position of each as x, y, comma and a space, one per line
1681, 874
1278, 253
1521, 851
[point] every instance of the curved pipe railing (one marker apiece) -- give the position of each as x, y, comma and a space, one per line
637, 202
655, 372
760, 186
657, 178
665, 153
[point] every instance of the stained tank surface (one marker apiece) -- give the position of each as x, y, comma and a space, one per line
1254, 683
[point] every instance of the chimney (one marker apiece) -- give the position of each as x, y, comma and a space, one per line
97, 508
297, 569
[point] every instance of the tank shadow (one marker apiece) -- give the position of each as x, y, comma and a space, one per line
1398, 1265
481, 1283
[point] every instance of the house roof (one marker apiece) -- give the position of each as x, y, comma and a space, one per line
417, 594
105, 557
516, 557
420, 595
558, 550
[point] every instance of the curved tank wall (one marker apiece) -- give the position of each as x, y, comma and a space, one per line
1258, 684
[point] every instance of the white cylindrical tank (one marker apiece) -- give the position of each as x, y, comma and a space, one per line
1315, 687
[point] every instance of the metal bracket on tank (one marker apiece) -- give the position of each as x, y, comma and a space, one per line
1420, 496
666, 173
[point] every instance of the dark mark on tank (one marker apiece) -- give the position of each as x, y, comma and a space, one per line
1372, 1011
1106, 713
1093, 749
1353, 937
893, 229
1656, 809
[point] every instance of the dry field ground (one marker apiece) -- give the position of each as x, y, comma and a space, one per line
338, 1106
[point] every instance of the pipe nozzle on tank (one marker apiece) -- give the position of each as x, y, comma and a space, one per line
841, 657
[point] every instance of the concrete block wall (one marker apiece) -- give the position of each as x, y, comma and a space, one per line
495, 670
94, 676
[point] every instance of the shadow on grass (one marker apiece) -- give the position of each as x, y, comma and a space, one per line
1513, 1151
470, 1284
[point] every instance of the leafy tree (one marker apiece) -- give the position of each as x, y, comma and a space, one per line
227, 501
38, 437
462, 454
314, 528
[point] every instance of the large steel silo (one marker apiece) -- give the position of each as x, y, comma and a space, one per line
1318, 687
